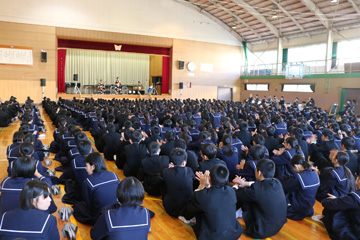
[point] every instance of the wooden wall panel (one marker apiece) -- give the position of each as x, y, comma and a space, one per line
101, 36
226, 62
155, 67
324, 97
23, 81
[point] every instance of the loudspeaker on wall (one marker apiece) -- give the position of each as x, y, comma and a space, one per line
181, 85
43, 82
181, 65
43, 56
75, 77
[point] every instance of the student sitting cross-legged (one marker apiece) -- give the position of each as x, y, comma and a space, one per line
214, 206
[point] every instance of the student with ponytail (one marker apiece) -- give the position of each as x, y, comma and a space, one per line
300, 189
337, 180
283, 156
229, 155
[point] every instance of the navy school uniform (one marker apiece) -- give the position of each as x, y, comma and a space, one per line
342, 220
41, 169
333, 181
237, 143
14, 145
215, 119
152, 168
197, 118
28, 224
208, 164
98, 191
10, 193
178, 189
145, 127
231, 161
357, 141
280, 128
248, 172
300, 191
283, 164
122, 223
194, 134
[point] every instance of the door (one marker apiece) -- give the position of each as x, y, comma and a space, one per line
225, 93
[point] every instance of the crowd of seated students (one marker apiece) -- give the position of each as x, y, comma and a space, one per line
280, 158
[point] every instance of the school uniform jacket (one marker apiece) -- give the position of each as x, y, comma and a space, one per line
248, 172
122, 223
300, 191
99, 190
264, 206
214, 209
208, 164
134, 154
28, 224
344, 222
152, 168
333, 181
231, 161
11, 189
283, 164
178, 188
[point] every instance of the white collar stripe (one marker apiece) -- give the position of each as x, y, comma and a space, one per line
307, 186
126, 226
113, 180
338, 177
18, 231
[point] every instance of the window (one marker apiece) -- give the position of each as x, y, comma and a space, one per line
298, 87
309, 55
349, 51
257, 87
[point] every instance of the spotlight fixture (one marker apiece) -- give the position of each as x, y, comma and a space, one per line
274, 16
234, 23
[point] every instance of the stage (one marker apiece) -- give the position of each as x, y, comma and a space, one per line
111, 96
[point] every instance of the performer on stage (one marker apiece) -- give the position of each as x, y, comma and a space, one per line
117, 86
101, 87
140, 86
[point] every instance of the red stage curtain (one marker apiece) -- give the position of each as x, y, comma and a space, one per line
61, 70
165, 75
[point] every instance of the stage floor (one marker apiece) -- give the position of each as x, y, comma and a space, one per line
111, 96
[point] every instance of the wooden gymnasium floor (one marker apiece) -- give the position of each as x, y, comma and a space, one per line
163, 227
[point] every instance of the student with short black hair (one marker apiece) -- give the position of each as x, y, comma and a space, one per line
263, 202
178, 181
192, 159
126, 219
208, 155
270, 141
214, 206
98, 189
229, 155
30, 221
347, 145
152, 168
109, 139
168, 146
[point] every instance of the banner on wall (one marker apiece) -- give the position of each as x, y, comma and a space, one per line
11, 55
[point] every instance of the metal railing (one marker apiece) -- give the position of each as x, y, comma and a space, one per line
345, 65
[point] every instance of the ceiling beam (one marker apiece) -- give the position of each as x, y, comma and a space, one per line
212, 17
239, 19
258, 15
289, 15
314, 9
353, 4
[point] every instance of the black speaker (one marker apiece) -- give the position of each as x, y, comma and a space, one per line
181, 85
75, 77
181, 65
43, 56
43, 82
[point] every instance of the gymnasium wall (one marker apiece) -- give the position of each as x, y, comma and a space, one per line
327, 90
24, 81
226, 61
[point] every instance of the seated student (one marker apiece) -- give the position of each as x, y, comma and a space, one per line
151, 169
30, 221
320, 152
168, 146
192, 159
258, 139
348, 144
75, 175
184, 134
280, 126
248, 168
263, 202
166, 127
98, 190
134, 153
24, 170
38, 146
229, 155
109, 139
283, 156
243, 134
356, 135
178, 181
337, 180
300, 189
193, 131
214, 206
343, 218
154, 135
126, 219
208, 156
270, 141
58, 133
17, 140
